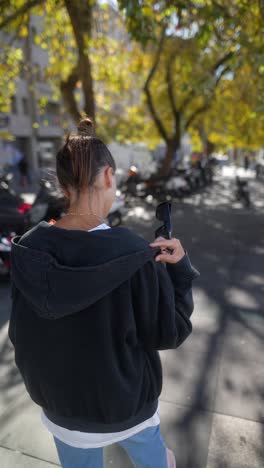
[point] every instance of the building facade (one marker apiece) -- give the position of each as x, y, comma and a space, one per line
36, 133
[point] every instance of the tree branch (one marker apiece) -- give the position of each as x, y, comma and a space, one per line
224, 10
80, 14
4, 3
150, 103
170, 87
221, 61
206, 106
198, 111
187, 100
223, 72
21, 11
67, 88
214, 68
261, 8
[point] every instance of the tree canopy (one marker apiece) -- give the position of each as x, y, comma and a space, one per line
149, 70
201, 49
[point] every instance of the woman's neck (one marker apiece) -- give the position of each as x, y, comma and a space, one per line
80, 223
85, 212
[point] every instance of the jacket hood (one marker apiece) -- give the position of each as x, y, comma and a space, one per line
56, 289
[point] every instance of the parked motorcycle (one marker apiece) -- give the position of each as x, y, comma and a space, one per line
6, 176
49, 203
118, 210
154, 187
5, 253
13, 210
190, 177
177, 186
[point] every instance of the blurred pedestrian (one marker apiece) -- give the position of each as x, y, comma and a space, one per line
24, 172
17, 156
91, 308
246, 162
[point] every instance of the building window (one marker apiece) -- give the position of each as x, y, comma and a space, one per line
13, 105
22, 71
37, 72
51, 115
33, 33
25, 106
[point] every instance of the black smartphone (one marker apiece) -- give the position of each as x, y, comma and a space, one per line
163, 213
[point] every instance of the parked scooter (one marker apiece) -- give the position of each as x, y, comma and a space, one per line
118, 210
13, 210
242, 192
5, 253
154, 187
188, 174
177, 187
49, 203
133, 186
6, 176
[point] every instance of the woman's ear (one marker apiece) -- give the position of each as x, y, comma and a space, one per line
109, 174
66, 193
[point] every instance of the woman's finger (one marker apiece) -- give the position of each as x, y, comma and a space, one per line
170, 243
166, 242
171, 250
167, 258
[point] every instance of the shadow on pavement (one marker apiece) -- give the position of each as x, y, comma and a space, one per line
225, 244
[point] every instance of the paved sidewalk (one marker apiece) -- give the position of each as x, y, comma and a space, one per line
212, 405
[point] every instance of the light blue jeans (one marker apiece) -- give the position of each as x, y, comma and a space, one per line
146, 449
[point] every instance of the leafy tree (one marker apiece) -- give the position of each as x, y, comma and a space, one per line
92, 61
181, 55
195, 46
67, 30
236, 117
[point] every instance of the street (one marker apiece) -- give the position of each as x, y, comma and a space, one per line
212, 404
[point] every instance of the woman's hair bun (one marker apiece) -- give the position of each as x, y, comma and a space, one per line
85, 127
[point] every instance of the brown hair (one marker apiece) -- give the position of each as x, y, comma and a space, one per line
82, 157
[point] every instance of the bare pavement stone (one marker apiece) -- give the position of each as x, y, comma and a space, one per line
11, 458
236, 443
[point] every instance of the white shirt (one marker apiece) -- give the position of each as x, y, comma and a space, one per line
94, 440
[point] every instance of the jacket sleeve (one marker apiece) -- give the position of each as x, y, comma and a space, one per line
163, 303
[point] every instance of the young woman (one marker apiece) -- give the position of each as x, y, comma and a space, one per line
91, 308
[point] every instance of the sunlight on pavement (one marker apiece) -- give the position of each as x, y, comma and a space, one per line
222, 192
255, 280
233, 171
140, 212
239, 297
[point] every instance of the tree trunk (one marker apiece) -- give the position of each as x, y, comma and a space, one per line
172, 145
87, 86
210, 147
67, 88
80, 14
168, 159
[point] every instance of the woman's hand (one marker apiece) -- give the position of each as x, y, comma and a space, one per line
171, 250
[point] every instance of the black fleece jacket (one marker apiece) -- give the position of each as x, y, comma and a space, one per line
90, 310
